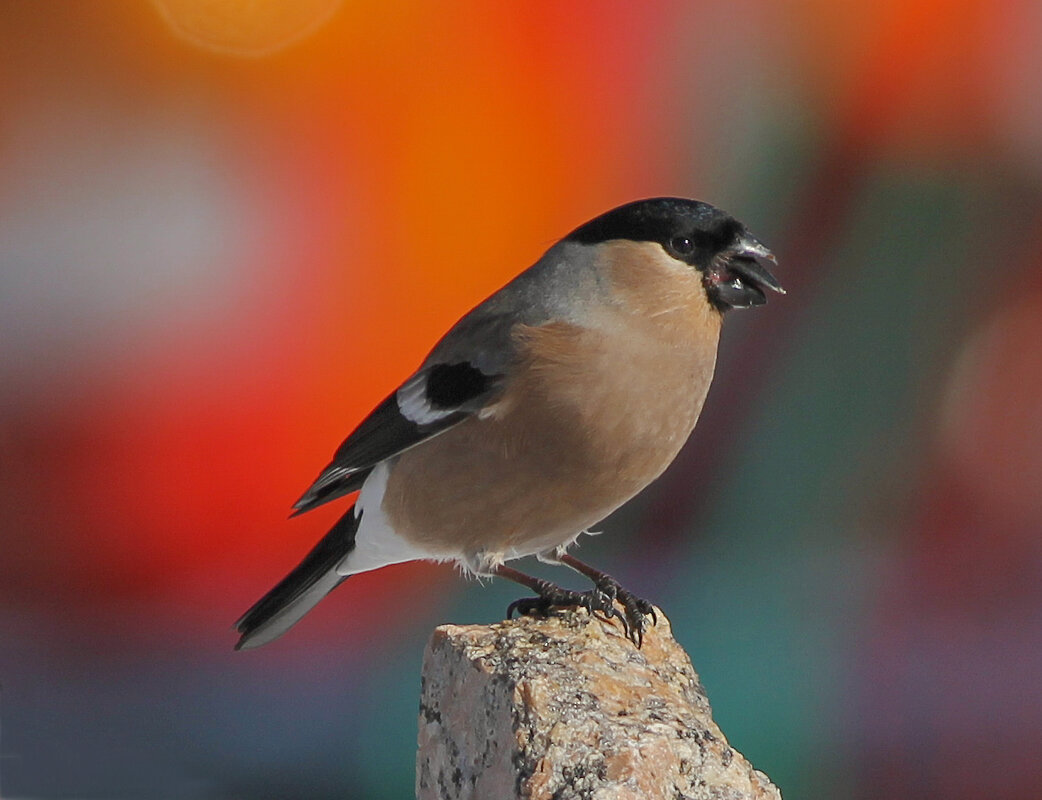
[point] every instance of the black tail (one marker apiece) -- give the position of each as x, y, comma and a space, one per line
297, 593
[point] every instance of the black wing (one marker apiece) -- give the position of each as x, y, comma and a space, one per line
433, 400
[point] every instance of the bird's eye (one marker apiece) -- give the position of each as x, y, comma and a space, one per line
681, 245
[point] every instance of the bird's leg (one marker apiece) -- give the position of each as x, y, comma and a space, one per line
551, 596
637, 609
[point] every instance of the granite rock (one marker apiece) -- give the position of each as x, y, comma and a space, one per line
567, 708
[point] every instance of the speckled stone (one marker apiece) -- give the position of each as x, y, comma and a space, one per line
566, 708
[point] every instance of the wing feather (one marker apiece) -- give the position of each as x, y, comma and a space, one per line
435, 399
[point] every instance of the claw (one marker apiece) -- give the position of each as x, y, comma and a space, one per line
637, 612
607, 607
594, 601
528, 605
601, 600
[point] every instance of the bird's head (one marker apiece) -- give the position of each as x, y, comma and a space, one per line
732, 262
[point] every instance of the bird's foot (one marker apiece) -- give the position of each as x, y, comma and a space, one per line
637, 610
551, 597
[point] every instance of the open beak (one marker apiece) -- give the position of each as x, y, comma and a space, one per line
739, 277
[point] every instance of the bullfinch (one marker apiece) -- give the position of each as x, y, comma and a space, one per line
540, 412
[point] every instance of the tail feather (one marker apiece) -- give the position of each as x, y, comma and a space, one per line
299, 592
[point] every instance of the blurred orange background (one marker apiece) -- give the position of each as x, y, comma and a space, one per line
229, 228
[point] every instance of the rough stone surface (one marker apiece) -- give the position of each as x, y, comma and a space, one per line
567, 708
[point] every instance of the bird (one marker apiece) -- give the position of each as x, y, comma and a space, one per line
542, 410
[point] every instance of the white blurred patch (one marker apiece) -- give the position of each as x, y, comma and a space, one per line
112, 224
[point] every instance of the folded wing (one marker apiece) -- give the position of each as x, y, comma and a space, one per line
451, 386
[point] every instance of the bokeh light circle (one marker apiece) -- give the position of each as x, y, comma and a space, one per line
251, 28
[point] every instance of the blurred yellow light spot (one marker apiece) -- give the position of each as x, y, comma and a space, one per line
245, 27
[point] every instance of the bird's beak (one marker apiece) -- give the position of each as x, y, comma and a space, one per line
741, 275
